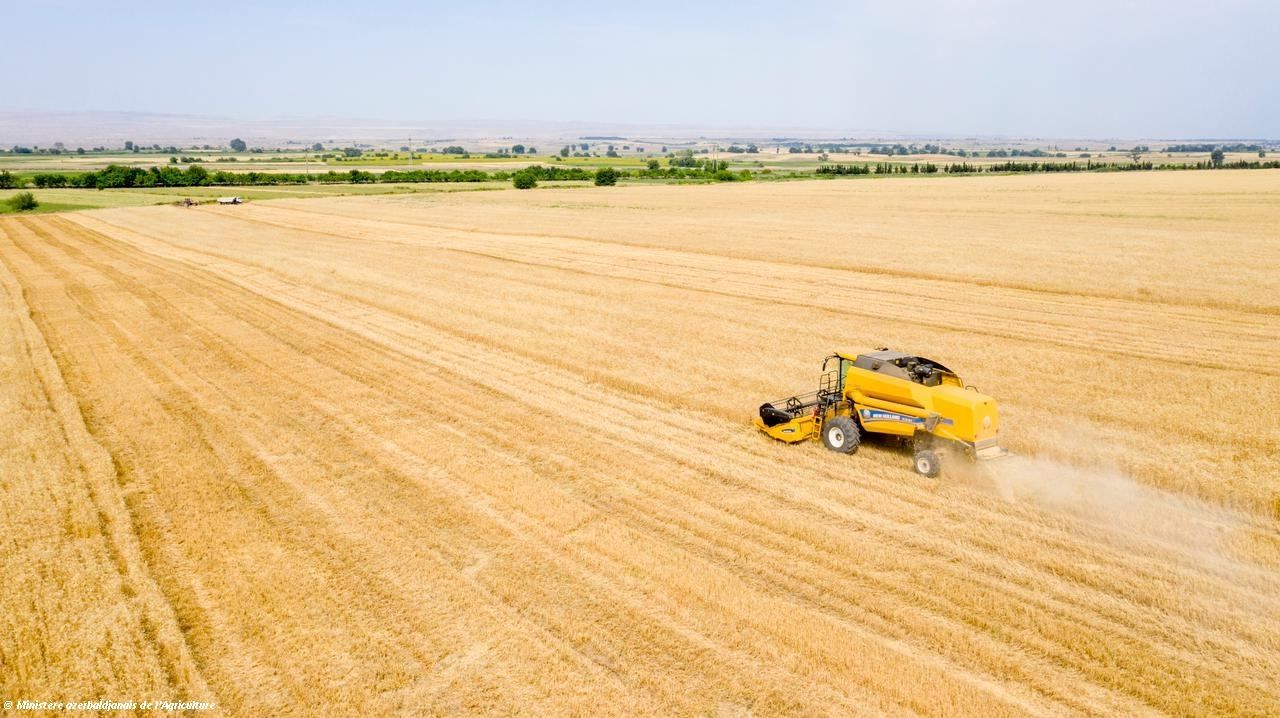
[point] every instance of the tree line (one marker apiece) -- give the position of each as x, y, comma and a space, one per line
118, 176
1029, 167
1238, 147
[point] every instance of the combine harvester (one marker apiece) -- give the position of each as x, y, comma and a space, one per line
895, 394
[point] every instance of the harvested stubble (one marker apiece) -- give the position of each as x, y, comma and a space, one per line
491, 453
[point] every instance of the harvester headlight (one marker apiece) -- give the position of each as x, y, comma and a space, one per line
986, 422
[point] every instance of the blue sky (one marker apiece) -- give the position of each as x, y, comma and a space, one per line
1048, 69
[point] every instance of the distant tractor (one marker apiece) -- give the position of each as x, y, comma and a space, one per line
894, 394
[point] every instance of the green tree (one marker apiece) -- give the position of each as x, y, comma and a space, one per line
237, 145
1217, 157
564, 151
317, 147
684, 158
22, 202
606, 177
518, 149
653, 165
1262, 154
532, 150
7, 181
128, 146
196, 176
524, 180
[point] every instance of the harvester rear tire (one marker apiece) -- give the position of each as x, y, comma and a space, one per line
841, 434
927, 463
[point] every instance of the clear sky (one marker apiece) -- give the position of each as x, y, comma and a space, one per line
1084, 68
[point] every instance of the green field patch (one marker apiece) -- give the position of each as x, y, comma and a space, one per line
45, 208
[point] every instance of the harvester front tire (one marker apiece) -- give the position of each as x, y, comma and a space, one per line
927, 463
841, 434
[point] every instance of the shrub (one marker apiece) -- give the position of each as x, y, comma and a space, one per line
23, 201
606, 177
524, 180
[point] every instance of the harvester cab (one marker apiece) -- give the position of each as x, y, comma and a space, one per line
895, 394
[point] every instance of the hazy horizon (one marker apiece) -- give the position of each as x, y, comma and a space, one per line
942, 68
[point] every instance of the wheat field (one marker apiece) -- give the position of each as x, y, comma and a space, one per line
491, 453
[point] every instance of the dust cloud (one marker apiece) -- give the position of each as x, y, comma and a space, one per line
1108, 499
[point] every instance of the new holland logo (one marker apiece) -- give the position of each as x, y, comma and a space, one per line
881, 415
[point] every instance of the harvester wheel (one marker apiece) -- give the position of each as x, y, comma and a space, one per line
841, 434
927, 463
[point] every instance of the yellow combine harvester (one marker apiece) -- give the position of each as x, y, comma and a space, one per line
887, 392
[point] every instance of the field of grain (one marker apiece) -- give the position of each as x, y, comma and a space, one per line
491, 452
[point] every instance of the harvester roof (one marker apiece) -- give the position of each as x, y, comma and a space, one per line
888, 361
882, 355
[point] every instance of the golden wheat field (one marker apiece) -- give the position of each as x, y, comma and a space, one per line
491, 452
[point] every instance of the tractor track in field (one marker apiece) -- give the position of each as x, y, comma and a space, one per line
357, 454
889, 272
190, 325
487, 344
1157, 372
144, 631
420, 408
853, 292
